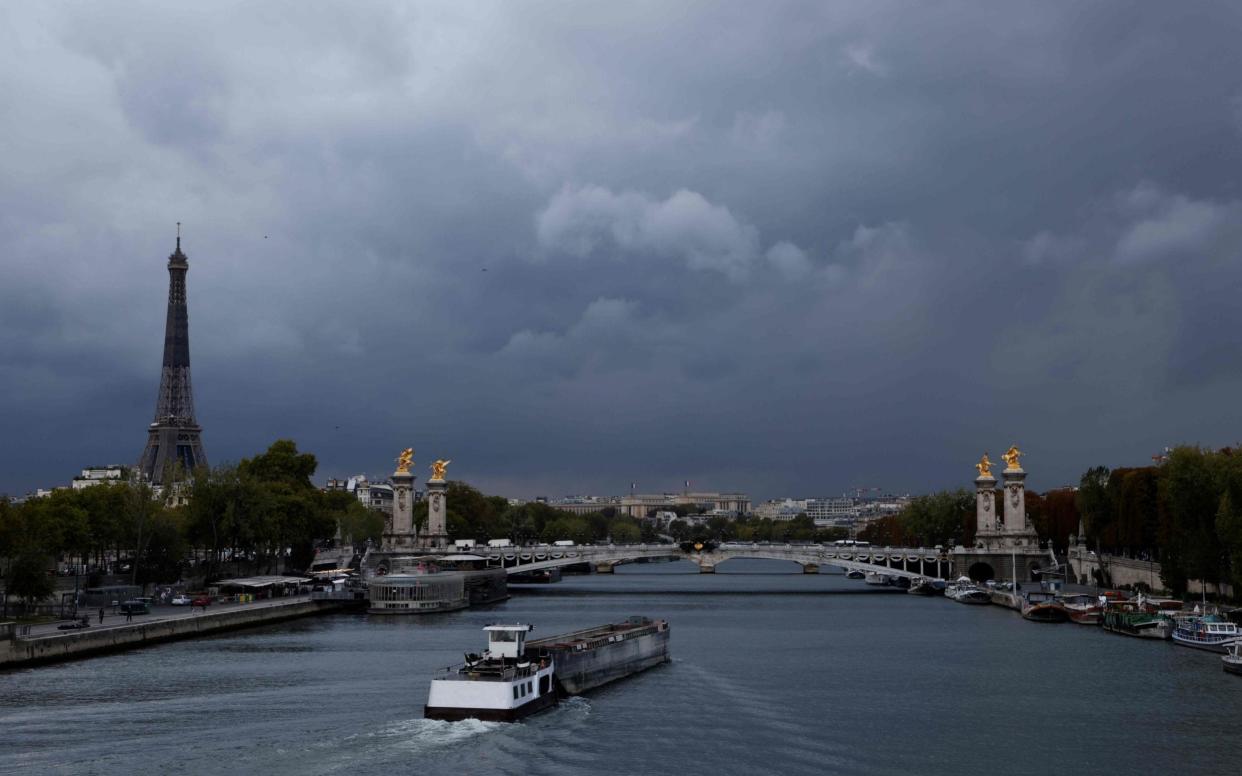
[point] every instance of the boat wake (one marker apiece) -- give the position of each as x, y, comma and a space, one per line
575, 709
422, 735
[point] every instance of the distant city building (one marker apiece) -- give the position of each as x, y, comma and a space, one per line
719, 503
379, 497
372, 495
584, 505
850, 512
883, 506
833, 511
781, 508
650, 505
98, 475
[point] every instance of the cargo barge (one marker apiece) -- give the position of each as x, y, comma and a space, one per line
517, 677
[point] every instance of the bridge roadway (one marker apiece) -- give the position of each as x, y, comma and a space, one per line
893, 561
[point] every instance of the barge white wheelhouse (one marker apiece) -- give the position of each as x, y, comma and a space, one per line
503, 684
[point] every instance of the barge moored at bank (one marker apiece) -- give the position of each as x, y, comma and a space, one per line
515, 677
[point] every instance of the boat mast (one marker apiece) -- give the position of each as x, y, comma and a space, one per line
1013, 567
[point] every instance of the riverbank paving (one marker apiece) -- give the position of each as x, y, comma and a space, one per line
159, 613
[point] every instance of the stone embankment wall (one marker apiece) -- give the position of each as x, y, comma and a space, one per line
1122, 572
22, 651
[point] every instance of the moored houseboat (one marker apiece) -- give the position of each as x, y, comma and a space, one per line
922, 586
1128, 619
1042, 607
1082, 608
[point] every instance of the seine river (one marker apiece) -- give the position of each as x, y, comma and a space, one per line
773, 673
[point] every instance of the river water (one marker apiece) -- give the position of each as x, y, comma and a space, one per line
773, 672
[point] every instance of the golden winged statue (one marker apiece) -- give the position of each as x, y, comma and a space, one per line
984, 466
405, 461
1011, 457
437, 468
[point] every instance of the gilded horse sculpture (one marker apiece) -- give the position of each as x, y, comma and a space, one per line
984, 466
405, 461
1011, 457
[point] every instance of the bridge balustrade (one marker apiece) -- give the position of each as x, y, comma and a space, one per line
891, 560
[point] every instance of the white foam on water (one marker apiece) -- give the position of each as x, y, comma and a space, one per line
426, 734
577, 707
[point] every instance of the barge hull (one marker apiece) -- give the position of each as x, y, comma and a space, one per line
1220, 647
593, 658
457, 714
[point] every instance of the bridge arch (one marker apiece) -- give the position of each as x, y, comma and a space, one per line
801, 565
981, 572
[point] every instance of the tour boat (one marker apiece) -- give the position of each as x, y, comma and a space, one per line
855, 574
1233, 658
1042, 607
874, 578
1208, 632
517, 677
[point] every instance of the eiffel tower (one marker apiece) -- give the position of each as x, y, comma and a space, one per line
175, 438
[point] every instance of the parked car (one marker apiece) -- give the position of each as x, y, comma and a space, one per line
134, 606
181, 600
202, 600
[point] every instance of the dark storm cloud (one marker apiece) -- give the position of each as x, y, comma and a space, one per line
789, 248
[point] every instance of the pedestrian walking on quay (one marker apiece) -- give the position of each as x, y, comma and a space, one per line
101, 615
129, 616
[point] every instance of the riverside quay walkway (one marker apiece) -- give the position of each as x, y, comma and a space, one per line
29, 645
892, 561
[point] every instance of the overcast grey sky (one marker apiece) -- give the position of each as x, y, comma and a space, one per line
781, 247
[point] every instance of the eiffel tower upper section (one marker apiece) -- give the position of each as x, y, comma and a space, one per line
174, 438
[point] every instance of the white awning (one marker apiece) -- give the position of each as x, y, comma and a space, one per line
269, 581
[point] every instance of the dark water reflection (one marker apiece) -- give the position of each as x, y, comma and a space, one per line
773, 672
